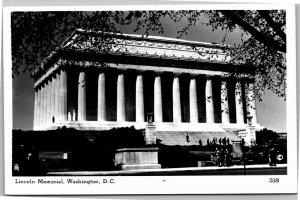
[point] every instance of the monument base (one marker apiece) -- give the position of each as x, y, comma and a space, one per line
248, 135
150, 134
144, 166
137, 158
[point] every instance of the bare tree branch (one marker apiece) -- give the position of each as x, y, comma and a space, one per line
270, 21
254, 32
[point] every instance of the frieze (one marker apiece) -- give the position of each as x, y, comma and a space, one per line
156, 48
153, 47
156, 65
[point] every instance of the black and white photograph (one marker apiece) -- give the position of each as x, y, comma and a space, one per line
150, 100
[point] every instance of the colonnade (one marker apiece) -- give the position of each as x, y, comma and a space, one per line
51, 99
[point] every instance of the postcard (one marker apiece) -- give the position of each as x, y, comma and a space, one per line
175, 99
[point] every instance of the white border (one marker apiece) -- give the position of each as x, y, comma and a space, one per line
155, 184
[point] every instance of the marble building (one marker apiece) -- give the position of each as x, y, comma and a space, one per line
183, 84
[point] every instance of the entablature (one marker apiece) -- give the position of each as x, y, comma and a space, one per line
155, 52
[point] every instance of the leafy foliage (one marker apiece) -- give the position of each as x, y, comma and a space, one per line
42, 32
266, 136
263, 40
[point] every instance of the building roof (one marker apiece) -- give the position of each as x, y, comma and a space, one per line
149, 37
157, 39
137, 46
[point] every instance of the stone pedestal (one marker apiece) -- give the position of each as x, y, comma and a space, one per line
137, 158
201, 164
251, 135
150, 134
248, 135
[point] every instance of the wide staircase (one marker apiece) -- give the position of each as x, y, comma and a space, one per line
190, 134
187, 138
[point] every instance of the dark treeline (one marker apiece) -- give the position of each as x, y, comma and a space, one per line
87, 150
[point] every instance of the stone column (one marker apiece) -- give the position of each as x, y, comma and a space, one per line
47, 96
40, 114
139, 98
101, 97
224, 102
120, 97
176, 99
54, 98
210, 115
82, 96
35, 109
239, 103
49, 119
193, 101
42, 106
59, 98
251, 105
52, 104
56, 81
158, 113
46, 120
45, 105
63, 96
54, 94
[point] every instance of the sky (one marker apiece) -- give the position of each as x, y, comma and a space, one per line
271, 111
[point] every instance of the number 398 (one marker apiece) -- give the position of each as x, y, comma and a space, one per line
273, 180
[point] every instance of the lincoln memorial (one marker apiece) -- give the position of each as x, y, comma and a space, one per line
182, 87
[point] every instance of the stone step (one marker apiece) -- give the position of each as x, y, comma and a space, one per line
179, 137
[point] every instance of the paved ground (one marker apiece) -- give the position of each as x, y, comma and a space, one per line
280, 169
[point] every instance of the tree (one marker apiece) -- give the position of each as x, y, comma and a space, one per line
266, 136
36, 34
263, 39
265, 48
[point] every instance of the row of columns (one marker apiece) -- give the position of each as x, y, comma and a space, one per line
158, 110
51, 100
